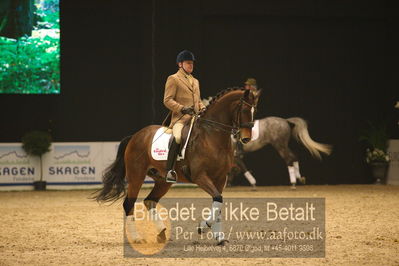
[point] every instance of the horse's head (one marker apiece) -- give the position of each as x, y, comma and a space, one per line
245, 114
232, 111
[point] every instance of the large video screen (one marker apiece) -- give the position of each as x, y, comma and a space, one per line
29, 47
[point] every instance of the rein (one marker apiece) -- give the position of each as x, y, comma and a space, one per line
235, 129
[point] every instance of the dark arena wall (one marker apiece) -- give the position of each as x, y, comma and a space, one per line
332, 63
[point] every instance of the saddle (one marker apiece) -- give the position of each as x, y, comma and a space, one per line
163, 138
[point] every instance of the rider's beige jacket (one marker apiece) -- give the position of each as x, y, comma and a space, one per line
179, 93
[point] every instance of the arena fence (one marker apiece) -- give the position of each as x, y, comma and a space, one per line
79, 165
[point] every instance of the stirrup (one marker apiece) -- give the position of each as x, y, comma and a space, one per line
171, 176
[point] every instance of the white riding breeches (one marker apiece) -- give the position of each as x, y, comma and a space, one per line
177, 128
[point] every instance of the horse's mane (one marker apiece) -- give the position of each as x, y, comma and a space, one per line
219, 95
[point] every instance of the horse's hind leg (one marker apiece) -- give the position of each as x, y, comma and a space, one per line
135, 178
298, 175
289, 158
251, 179
158, 191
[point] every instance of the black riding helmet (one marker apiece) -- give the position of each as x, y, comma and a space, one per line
185, 56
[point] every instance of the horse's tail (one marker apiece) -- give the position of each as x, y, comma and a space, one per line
301, 134
114, 177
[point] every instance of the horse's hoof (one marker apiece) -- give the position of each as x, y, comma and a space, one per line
202, 226
200, 230
302, 180
139, 241
161, 237
253, 188
293, 187
223, 242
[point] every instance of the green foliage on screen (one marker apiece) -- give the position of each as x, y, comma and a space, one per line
31, 64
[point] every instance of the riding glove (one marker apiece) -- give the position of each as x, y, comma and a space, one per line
187, 110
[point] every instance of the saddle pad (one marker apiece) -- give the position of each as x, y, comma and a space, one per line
255, 131
160, 145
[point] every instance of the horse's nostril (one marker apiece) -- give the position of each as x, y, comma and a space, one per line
245, 140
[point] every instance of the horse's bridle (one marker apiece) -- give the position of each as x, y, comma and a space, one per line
238, 117
235, 129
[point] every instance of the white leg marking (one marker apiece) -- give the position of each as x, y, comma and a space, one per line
291, 171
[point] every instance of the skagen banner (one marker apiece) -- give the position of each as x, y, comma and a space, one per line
65, 166
259, 227
73, 163
16, 167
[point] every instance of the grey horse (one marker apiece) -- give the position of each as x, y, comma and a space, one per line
277, 132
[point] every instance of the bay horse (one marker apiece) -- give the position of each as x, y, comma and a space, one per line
208, 159
277, 132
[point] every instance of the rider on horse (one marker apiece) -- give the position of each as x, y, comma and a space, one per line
250, 84
182, 98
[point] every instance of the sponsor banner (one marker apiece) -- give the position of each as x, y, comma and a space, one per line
16, 167
66, 165
109, 151
393, 171
76, 163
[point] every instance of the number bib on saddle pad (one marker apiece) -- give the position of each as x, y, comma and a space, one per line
255, 131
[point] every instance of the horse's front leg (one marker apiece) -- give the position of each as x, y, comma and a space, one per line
214, 220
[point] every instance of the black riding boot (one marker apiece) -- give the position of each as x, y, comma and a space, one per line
171, 176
